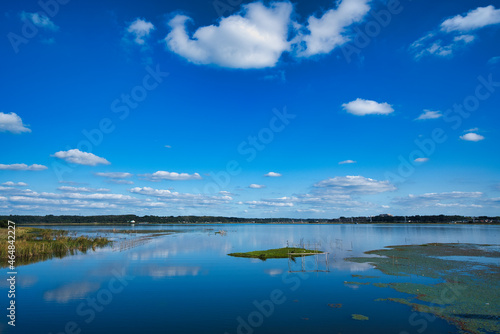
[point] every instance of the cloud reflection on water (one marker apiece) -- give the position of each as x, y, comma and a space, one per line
71, 291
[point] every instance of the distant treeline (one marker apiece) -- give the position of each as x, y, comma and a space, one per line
127, 219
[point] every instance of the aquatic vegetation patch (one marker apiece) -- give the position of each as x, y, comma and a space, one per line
364, 276
277, 253
137, 231
356, 283
465, 293
360, 317
335, 305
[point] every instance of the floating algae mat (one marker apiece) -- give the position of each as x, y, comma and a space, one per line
465, 293
277, 253
360, 317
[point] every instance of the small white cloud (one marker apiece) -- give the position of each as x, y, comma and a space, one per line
119, 181
475, 19
471, 136
464, 38
494, 60
39, 20
12, 123
347, 162
83, 189
14, 184
421, 160
272, 174
34, 167
268, 203
472, 130
277, 76
225, 193
256, 186
114, 175
140, 29
361, 107
48, 41
428, 114
172, 176
76, 156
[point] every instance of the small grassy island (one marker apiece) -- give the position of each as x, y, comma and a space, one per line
278, 253
360, 317
36, 244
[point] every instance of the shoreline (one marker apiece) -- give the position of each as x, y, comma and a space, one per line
250, 223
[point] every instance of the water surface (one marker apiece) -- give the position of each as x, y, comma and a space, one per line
184, 282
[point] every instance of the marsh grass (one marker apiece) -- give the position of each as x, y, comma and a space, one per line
35, 244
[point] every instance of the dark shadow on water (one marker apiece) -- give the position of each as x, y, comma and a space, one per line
479, 316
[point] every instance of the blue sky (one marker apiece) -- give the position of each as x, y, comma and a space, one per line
254, 109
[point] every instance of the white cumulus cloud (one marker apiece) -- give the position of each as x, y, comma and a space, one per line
473, 20
361, 107
471, 136
331, 29
254, 38
76, 156
258, 35
12, 123
273, 174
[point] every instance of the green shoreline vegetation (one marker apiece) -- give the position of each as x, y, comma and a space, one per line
277, 253
466, 281
35, 244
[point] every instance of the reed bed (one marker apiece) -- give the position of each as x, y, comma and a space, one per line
34, 244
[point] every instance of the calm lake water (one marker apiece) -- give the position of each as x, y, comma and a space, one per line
186, 283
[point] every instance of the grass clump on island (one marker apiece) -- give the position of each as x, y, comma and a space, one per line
36, 244
277, 253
